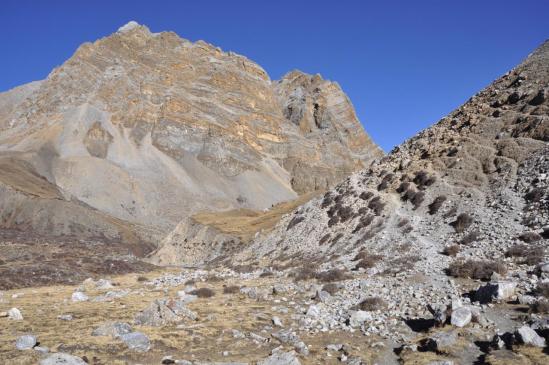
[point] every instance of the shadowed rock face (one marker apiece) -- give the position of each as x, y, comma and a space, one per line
149, 128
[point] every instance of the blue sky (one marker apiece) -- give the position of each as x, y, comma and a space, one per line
404, 64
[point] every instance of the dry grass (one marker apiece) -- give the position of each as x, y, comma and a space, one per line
436, 204
245, 223
462, 222
452, 250
479, 270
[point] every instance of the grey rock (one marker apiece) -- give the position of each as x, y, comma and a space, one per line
113, 329
136, 341
530, 337
15, 314
500, 290
79, 296
322, 296
41, 349
461, 317
313, 311
277, 322
280, 358
25, 342
444, 340
291, 338
60, 358
164, 311
359, 317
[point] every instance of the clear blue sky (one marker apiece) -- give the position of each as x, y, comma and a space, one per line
404, 64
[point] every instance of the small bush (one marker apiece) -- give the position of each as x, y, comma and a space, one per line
541, 306
376, 205
203, 293
422, 179
232, 289
327, 201
529, 237
190, 282
366, 195
403, 187
479, 270
214, 279
543, 289
530, 255
452, 250
368, 261
450, 212
372, 304
266, 274
417, 199
345, 213
304, 273
332, 275
333, 220
403, 222
436, 204
324, 238
331, 288
462, 222
470, 238
295, 221
364, 222
534, 195
141, 279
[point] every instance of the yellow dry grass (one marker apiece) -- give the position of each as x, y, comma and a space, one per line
245, 223
203, 340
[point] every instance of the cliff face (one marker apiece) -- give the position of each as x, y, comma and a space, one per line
150, 128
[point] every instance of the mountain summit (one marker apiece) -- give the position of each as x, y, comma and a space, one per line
146, 129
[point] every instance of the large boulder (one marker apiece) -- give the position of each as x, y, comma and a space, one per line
136, 341
530, 337
62, 359
500, 290
25, 342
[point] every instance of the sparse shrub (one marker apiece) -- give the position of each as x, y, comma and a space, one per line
336, 238
214, 279
436, 204
324, 238
452, 250
407, 229
203, 293
366, 260
295, 220
190, 282
462, 222
479, 270
543, 289
529, 237
535, 195
403, 187
403, 222
372, 304
417, 199
376, 205
422, 179
531, 255
541, 306
470, 238
243, 268
332, 275
232, 289
141, 279
304, 273
345, 213
366, 195
387, 179
333, 220
364, 222
266, 274
331, 288
327, 201
450, 212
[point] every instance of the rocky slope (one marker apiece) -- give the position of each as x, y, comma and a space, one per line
148, 128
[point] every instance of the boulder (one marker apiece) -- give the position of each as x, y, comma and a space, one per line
15, 314
280, 358
113, 329
500, 290
444, 340
136, 341
164, 311
25, 342
313, 311
530, 337
79, 296
359, 317
60, 358
461, 317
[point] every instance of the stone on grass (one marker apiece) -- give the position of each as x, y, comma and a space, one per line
113, 329
65, 317
444, 340
461, 317
25, 342
280, 358
136, 341
359, 317
530, 337
277, 322
15, 314
164, 311
60, 358
79, 296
